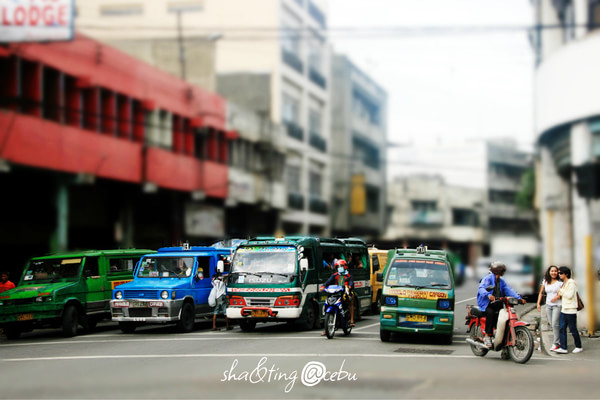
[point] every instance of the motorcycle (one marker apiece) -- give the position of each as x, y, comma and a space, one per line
337, 314
512, 338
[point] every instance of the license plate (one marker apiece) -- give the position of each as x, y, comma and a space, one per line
416, 318
138, 304
24, 317
259, 313
139, 319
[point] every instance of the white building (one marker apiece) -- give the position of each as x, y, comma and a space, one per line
567, 121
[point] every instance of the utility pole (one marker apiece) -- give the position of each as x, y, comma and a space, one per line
181, 46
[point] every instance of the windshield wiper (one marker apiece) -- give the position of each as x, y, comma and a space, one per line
438, 284
409, 286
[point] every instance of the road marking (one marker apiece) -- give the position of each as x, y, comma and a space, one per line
236, 355
465, 300
365, 327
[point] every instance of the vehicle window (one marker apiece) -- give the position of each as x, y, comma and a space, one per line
226, 262
375, 262
120, 265
204, 267
166, 267
264, 264
52, 270
90, 267
356, 260
420, 274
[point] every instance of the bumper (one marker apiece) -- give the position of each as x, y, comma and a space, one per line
264, 313
399, 320
150, 311
29, 315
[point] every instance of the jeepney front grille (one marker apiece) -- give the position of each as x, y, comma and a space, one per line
260, 301
21, 302
140, 312
141, 294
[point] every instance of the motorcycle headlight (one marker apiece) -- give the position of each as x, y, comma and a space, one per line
164, 294
118, 295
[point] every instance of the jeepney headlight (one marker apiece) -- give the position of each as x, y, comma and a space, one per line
390, 300
173, 295
118, 295
164, 294
39, 299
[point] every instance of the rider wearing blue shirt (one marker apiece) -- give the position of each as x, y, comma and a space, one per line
487, 300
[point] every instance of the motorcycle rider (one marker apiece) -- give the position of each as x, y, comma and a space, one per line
343, 278
488, 302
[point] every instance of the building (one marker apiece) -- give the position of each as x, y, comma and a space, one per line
275, 62
425, 210
99, 150
567, 122
358, 160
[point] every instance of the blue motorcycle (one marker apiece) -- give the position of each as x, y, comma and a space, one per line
337, 314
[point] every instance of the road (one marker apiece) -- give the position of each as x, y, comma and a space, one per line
277, 362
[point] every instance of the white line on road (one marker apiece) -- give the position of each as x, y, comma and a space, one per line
365, 327
221, 355
465, 300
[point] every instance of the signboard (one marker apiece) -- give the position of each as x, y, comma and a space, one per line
36, 20
204, 220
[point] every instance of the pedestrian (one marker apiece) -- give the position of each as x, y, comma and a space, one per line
5, 284
551, 286
220, 299
568, 313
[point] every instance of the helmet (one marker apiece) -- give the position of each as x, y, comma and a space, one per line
341, 263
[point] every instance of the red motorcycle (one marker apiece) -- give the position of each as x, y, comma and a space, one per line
512, 338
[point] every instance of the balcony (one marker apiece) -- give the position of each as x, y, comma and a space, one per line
294, 130
426, 218
293, 61
316, 77
318, 142
295, 201
317, 205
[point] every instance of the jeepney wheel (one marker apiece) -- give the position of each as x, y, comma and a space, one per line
12, 332
384, 335
311, 317
376, 307
91, 323
357, 314
70, 321
186, 320
247, 326
127, 327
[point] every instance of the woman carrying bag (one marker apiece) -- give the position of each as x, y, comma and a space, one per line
568, 313
550, 287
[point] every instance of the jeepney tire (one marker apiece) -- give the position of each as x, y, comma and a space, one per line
357, 313
376, 307
311, 318
12, 332
384, 335
127, 327
187, 319
70, 321
247, 326
90, 323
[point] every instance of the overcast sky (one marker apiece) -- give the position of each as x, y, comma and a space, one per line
443, 87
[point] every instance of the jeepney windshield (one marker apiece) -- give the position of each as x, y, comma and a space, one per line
264, 264
166, 267
53, 270
419, 274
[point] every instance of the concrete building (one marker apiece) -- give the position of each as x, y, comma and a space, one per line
425, 210
281, 43
567, 122
358, 160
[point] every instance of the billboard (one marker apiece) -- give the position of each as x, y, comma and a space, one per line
36, 20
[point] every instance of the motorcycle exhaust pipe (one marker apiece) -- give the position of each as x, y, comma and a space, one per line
478, 344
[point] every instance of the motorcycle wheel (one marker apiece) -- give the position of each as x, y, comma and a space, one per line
347, 328
329, 325
475, 333
523, 349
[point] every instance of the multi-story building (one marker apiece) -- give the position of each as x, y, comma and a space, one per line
567, 123
358, 159
272, 58
99, 150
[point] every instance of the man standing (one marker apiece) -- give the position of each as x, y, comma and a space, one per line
221, 300
5, 284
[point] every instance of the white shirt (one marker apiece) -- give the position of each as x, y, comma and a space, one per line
551, 292
220, 287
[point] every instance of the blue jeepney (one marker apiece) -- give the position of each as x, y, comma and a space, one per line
170, 286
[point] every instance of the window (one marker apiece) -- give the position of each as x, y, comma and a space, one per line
119, 10
372, 199
293, 178
314, 121
315, 183
375, 262
290, 109
424, 205
365, 152
90, 267
290, 39
464, 217
365, 108
119, 265
594, 14
204, 267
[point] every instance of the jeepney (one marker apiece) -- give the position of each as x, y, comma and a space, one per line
278, 279
169, 286
66, 290
418, 294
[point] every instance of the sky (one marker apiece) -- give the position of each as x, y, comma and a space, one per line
446, 88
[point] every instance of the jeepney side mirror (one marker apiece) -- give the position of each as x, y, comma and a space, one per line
379, 277
220, 266
303, 265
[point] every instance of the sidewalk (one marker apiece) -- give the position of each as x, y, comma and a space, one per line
541, 330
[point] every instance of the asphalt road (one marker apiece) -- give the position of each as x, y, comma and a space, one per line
278, 362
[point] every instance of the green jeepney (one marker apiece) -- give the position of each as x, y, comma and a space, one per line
66, 290
278, 279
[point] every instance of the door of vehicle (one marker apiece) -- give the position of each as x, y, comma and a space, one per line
94, 282
202, 282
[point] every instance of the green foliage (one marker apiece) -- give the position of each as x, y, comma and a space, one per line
525, 197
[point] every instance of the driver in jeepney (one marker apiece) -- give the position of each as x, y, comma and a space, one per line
343, 278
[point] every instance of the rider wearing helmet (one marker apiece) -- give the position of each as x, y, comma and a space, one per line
488, 301
343, 278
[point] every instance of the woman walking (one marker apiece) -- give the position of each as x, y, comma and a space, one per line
551, 285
